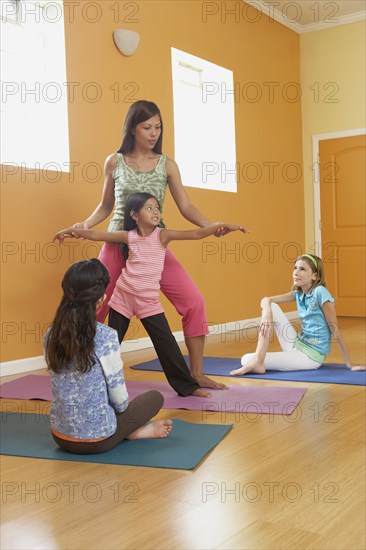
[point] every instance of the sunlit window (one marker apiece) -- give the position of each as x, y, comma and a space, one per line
204, 122
34, 121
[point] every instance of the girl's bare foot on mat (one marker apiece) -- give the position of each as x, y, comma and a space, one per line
152, 430
254, 365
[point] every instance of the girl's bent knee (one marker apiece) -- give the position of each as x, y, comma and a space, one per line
275, 307
155, 397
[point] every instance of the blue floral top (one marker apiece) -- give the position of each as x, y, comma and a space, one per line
85, 405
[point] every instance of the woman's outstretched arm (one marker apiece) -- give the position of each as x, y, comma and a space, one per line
106, 204
168, 235
181, 199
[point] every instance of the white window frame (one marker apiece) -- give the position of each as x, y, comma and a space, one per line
204, 123
34, 125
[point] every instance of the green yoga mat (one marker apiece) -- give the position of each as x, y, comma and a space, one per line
28, 435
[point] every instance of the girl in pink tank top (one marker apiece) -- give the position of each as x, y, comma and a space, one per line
137, 289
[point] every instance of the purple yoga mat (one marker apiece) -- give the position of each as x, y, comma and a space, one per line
32, 386
238, 399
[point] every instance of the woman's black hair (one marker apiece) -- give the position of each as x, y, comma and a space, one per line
71, 337
140, 111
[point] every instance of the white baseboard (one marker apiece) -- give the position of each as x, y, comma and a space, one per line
36, 363
22, 365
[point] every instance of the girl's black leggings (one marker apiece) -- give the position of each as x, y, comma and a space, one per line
166, 347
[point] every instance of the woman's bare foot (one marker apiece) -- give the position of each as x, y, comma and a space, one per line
254, 365
201, 393
206, 382
153, 430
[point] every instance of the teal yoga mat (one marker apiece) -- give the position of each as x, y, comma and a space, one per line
28, 435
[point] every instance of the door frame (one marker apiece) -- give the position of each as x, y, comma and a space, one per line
316, 138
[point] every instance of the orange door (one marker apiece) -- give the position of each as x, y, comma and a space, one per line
343, 227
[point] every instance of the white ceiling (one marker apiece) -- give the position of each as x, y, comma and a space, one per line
309, 15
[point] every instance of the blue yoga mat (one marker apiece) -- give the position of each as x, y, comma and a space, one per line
328, 373
28, 435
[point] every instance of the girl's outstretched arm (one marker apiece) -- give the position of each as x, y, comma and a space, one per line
91, 235
331, 317
168, 235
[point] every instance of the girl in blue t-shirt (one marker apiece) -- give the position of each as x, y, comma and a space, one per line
91, 412
315, 306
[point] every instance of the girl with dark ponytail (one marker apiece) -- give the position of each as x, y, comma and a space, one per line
71, 336
91, 412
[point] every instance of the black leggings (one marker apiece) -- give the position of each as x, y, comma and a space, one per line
166, 347
139, 411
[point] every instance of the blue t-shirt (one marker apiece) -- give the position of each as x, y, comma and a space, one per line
315, 331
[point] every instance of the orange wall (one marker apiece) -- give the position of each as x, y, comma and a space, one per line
267, 131
331, 57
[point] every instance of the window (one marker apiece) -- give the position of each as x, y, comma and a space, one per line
204, 123
34, 121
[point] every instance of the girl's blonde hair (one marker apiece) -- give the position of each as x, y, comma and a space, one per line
317, 266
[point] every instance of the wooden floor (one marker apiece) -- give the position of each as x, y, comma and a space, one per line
274, 482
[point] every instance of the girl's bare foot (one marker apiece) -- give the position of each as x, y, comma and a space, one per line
206, 382
153, 430
254, 365
201, 393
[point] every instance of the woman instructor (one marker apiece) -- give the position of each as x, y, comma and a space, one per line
140, 166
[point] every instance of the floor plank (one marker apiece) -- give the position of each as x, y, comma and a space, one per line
275, 482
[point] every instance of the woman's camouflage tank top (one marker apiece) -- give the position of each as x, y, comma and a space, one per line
128, 181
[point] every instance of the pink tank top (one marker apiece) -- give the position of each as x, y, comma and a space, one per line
144, 266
